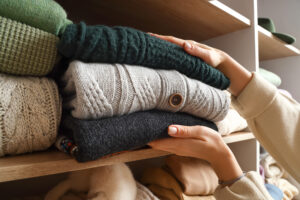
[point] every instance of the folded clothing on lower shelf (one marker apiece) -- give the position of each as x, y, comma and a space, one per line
30, 110
165, 186
196, 176
94, 91
97, 138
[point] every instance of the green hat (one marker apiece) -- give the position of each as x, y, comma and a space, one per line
268, 24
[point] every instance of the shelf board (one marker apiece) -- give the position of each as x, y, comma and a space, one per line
190, 19
270, 47
54, 162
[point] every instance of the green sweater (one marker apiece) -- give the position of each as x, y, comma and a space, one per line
46, 15
25, 50
129, 46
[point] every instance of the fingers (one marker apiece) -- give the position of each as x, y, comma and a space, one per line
171, 39
193, 48
196, 132
182, 147
197, 51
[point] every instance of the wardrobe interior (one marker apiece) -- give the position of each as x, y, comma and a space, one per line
230, 25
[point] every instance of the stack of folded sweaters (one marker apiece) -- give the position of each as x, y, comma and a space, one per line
30, 106
123, 88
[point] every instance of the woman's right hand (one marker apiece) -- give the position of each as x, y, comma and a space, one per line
239, 77
210, 55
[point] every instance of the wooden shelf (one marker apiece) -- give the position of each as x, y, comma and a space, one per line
190, 19
270, 47
54, 162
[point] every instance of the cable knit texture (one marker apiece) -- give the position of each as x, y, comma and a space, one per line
104, 90
97, 138
30, 111
46, 15
25, 50
129, 46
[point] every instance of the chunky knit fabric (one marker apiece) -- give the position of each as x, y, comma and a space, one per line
97, 138
104, 90
25, 50
46, 15
129, 46
30, 112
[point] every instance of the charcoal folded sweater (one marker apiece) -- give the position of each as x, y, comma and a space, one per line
97, 90
97, 138
129, 46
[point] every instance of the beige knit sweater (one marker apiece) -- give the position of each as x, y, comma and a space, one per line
274, 120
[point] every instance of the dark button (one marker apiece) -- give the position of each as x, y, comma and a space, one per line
175, 100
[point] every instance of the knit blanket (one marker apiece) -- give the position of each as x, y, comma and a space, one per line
30, 111
46, 15
94, 91
129, 46
97, 138
25, 50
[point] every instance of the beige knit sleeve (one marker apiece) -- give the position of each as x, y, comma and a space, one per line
275, 121
251, 186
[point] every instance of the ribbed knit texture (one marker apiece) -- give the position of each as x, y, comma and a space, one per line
30, 111
97, 138
95, 91
129, 46
46, 15
25, 50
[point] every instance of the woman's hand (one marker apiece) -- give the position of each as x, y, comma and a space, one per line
204, 143
237, 74
211, 56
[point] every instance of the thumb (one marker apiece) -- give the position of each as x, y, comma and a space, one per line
196, 132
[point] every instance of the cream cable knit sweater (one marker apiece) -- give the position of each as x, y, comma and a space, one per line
30, 111
106, 90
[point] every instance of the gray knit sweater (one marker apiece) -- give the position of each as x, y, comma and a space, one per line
96, 90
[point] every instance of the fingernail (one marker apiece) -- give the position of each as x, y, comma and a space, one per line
172, 130
187, 45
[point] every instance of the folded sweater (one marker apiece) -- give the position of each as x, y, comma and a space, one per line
30, 110
46, 15
197, 177
129, 46
25, 50
97, 138
95, 91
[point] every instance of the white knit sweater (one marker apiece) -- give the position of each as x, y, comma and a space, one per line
30, 111
105, 90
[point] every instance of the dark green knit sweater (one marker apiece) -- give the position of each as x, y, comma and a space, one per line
129, 46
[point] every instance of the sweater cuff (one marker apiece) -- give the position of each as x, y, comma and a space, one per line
255, 98
251, 186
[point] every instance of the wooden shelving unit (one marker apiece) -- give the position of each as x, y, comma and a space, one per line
270, 47
54, 162
190, 19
